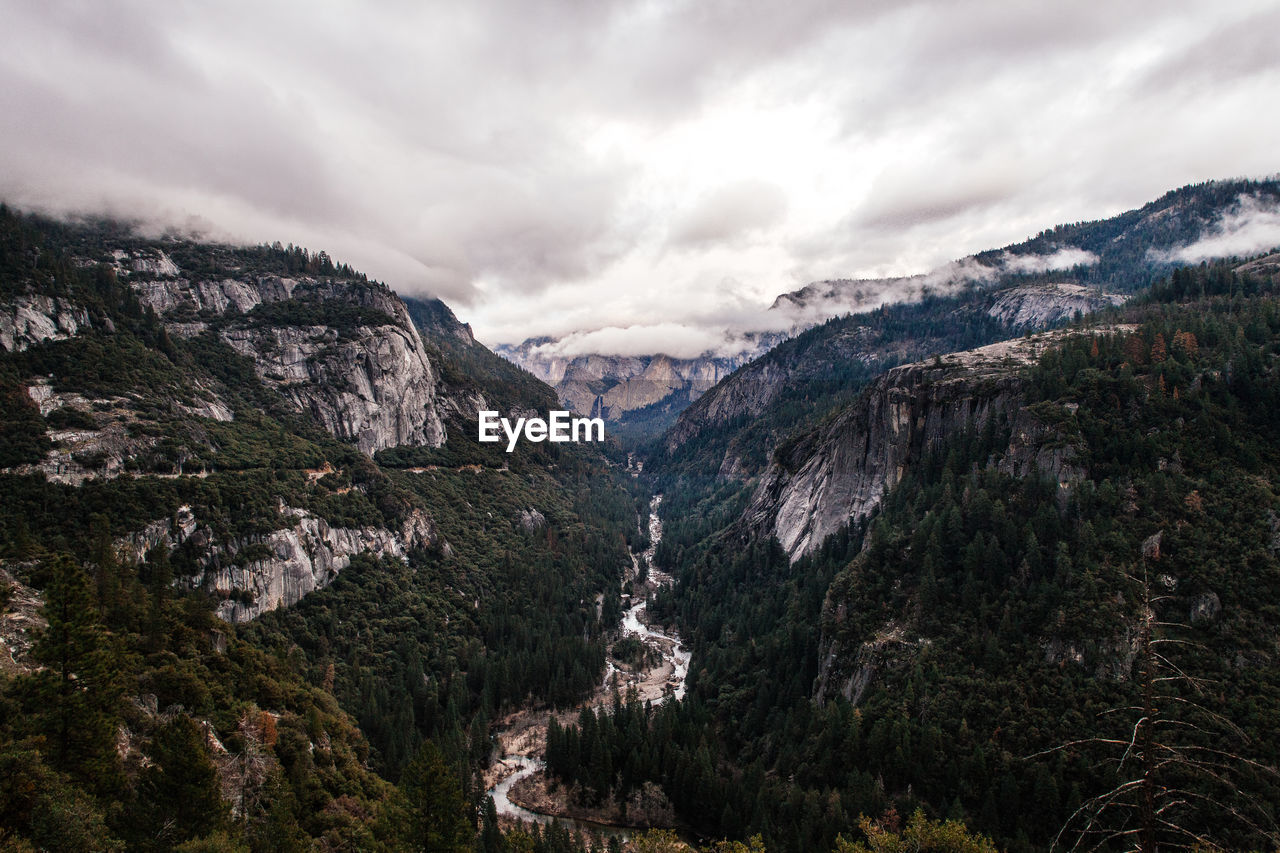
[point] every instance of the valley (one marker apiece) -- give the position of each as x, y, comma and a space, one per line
912, 566
515, 778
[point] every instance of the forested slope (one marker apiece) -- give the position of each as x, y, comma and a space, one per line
187, 431
978, 647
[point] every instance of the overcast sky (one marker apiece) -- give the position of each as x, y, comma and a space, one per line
653, 169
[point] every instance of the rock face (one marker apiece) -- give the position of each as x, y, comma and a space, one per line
35, 318
531, 520
747, 392
376, 389
256, 574
1205, 609
610, 386
20, 625
370, 383
302, 559
1038, 305
436, 320
889, 649
840, 472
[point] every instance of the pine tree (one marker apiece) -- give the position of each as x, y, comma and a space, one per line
74, 700
436, 818
1181, 780
178, 795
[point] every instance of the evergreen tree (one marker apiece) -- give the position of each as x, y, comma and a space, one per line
178, 795
74, 700
436, 818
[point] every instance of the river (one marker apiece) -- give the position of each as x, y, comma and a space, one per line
654, 684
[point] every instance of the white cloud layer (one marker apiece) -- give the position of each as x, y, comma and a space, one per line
554, 166
674, 339
1065, 258
1250, 228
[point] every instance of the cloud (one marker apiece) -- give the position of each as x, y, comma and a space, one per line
560, 167
674, 339
1064, 258
1249, 228
728, 212
905, 196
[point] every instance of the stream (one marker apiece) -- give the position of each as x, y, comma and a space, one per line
674, 657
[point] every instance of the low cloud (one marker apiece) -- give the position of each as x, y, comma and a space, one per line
1249, 228
1065, 258
677, 340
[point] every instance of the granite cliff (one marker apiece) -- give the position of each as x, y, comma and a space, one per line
253, 574
349, 354
821, 480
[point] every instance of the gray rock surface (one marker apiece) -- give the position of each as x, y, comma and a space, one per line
28, 320
610, 386
840, 472
1040, 305
531, 520
1205, 609
304, 555
373, 386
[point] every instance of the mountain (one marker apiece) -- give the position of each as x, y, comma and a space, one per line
643, 394
256, 566
1002, 557
1116, 255
837, 474
1034, 284
990, 296
952, 590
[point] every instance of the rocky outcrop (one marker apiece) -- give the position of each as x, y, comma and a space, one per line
1034, 306
532, 520
103, 444
436, 321
370, 383
746, 393
33, 319
252, 575
849, 673
167, 533
839, 472
1111, 658
375, 389
1205, 609
212, 297
298, 560
20, 625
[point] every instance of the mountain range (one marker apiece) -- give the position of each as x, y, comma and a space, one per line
1036, 283
948, 548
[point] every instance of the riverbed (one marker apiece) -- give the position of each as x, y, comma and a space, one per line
523, 739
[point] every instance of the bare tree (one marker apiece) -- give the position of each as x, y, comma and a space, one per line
1184, 780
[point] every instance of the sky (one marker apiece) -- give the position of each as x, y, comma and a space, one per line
640, 176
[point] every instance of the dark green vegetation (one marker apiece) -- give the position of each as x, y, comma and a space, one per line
990, 628
153, 723
470, 368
